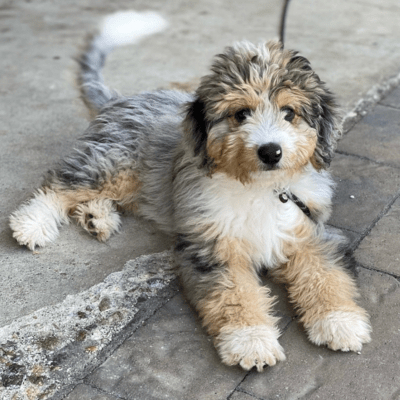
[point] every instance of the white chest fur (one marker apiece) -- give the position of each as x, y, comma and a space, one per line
254, 212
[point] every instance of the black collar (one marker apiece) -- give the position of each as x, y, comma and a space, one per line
285, 196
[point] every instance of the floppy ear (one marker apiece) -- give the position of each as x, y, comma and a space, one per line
329, 129
196, 127
321, 111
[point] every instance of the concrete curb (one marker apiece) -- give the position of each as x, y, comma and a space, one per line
43, 355
369, 101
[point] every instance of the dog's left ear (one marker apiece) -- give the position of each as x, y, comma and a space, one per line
321, 112
196, 127
328, 125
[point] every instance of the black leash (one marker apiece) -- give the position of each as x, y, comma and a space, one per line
285, 196
283, 22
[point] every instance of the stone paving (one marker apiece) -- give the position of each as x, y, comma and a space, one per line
76, 321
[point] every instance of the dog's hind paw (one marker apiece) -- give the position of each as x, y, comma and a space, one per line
342, 330
36, 222
251, 346
99, 218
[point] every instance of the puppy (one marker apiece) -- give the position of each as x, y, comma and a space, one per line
236, 172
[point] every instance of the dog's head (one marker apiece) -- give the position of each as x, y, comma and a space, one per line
261, 108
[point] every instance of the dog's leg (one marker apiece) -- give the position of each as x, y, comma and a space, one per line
236, 310
37, 222
98, 217
324, 294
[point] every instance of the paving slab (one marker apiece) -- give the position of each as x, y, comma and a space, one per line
380, 249
239, 395
87, 392
172, 357
376, 136
393, 99
336, 36
313, 372
363, 190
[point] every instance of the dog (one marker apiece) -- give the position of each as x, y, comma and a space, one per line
236, 172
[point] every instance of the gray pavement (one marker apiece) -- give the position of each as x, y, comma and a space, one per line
81, 321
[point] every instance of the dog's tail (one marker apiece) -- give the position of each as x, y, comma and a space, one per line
117, 29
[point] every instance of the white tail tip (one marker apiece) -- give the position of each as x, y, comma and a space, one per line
126, 27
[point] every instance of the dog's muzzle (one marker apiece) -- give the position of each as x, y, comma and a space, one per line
270, 153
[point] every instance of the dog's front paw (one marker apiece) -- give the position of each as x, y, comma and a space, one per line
342, 330
252, 346
98, 217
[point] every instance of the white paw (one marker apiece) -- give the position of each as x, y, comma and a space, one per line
99, 218
252, 346
36, 222
342, 330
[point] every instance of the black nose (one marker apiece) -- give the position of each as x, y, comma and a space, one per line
270, 153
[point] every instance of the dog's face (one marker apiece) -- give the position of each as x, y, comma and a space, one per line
261, 109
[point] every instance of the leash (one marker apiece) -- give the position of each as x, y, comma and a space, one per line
285, 196
283, 22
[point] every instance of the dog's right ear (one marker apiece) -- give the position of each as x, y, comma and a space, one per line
196, 127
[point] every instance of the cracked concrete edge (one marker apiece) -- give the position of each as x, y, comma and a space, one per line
372, 97
45, 354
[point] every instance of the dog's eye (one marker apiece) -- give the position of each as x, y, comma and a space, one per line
241, 115
290, 114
